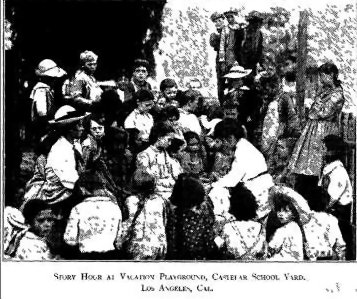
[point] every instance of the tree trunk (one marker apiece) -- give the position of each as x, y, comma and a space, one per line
301, 65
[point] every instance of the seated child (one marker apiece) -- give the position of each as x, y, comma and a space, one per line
242, 237
190, 222
222, 162
33, 241
336, 181
286, 242
95, 163
194, 158
323, 236
93, 224
279, 160
143, 235
119, 158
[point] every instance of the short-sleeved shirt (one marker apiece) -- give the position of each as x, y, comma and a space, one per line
141, 121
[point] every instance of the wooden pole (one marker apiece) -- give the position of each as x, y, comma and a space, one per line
301, 65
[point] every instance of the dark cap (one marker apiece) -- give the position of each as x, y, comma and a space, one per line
232, 11
144, 95
254, 16
216, 15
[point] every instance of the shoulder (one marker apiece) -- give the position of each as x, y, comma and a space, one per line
88, 142
32, 242
293, 228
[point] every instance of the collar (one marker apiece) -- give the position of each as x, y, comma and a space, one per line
97, 198
331, 167
42, 85
235, 26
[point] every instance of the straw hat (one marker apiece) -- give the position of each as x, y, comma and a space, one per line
237, 72
67, 115
296, 199
49, 68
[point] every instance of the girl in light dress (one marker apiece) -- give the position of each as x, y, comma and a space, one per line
291, 210
142, 236
157, 161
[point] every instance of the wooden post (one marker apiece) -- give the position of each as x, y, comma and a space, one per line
301, 65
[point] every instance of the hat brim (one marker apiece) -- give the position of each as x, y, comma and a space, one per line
297, 200
238, 75
68, 120
56, 72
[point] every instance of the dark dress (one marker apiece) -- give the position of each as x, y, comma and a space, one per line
190, 234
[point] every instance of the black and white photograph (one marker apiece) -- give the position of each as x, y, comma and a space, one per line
177, 134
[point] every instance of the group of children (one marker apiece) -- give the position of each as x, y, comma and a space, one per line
174, 181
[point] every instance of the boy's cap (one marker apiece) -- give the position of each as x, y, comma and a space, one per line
141, 63
216, 15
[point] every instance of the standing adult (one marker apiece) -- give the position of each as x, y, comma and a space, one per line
249, 43
219, 41
323, 119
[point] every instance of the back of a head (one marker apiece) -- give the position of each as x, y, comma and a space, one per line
143, 182
144, 95
290, 76
243, 205
334, 143
188, 192
159, 129
189, 96
32, 208
319, 199
336, 147
170, 112
118, 135
228, 127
